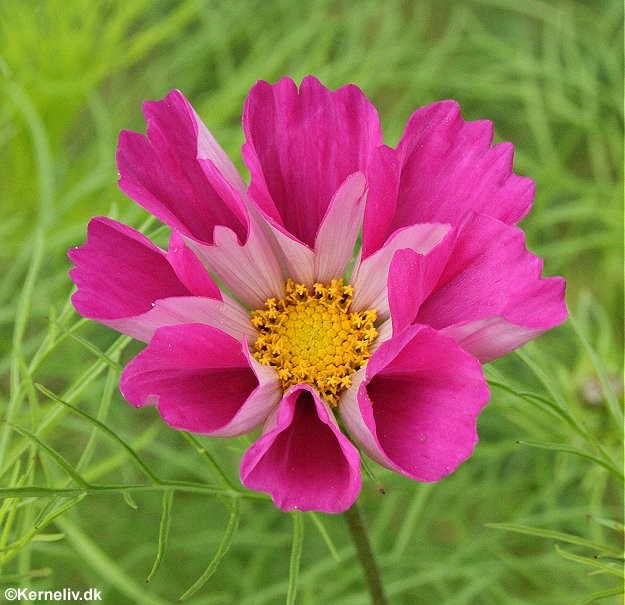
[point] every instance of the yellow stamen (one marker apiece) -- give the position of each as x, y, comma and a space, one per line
311, 337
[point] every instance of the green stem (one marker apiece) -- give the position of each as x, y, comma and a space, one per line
360, 538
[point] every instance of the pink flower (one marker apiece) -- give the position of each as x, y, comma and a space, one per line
293, 340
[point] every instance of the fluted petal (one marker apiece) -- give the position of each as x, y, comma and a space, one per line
189, 269
226, 315
449, 166
301, 145
302, 459
335, 241
252, 270
443, 167
202, 381
490, 295
120, 273
370, 276
383, 179
415, 408
161, 171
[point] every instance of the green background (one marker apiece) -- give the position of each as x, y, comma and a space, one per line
74, 73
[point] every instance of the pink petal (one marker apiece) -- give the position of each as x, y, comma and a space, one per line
335, 241
448, 166
120, 273
416, 410
251, 271
300, 147
370, 275
189, 269
407, 287
201, 381
162, 174
490, 295
227, 316
302, 459
383, 178
334, 244
495, 337
411, 279
298, 258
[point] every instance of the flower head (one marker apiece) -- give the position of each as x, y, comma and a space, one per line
255, 317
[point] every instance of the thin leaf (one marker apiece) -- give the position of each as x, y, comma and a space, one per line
608, 391
553, 535
181, 486
43, 572
48, 537
8, 511
94, 557
163, 532
616, 560
219, 555
603, 595
103, 428
40, 524
370, 473
73, 392
326, 537
34, 491
64, 464
129, 501
296, 553
563, 447
609, 523
551, 407
88, 345
545, 404
615, 571
21, 321
411, 518
208, 458
110, 383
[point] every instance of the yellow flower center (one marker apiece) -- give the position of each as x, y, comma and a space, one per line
311, 337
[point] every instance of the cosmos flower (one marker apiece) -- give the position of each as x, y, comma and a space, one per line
343, 301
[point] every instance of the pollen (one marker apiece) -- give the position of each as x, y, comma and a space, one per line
310, 336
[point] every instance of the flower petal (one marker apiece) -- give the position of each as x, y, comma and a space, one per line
227, 316
302, 459
411, 279
252, 270
298, 258
490, 296
334, 244
120, 273
201, 381
300, 147
189, 269
383, 178
407, 284
416, 409
370, 275
335, 241
495, 336
448, 166
162, 174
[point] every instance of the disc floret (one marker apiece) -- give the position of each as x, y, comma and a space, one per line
310, 336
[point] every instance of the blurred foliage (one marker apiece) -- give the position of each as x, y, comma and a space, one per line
73, 74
